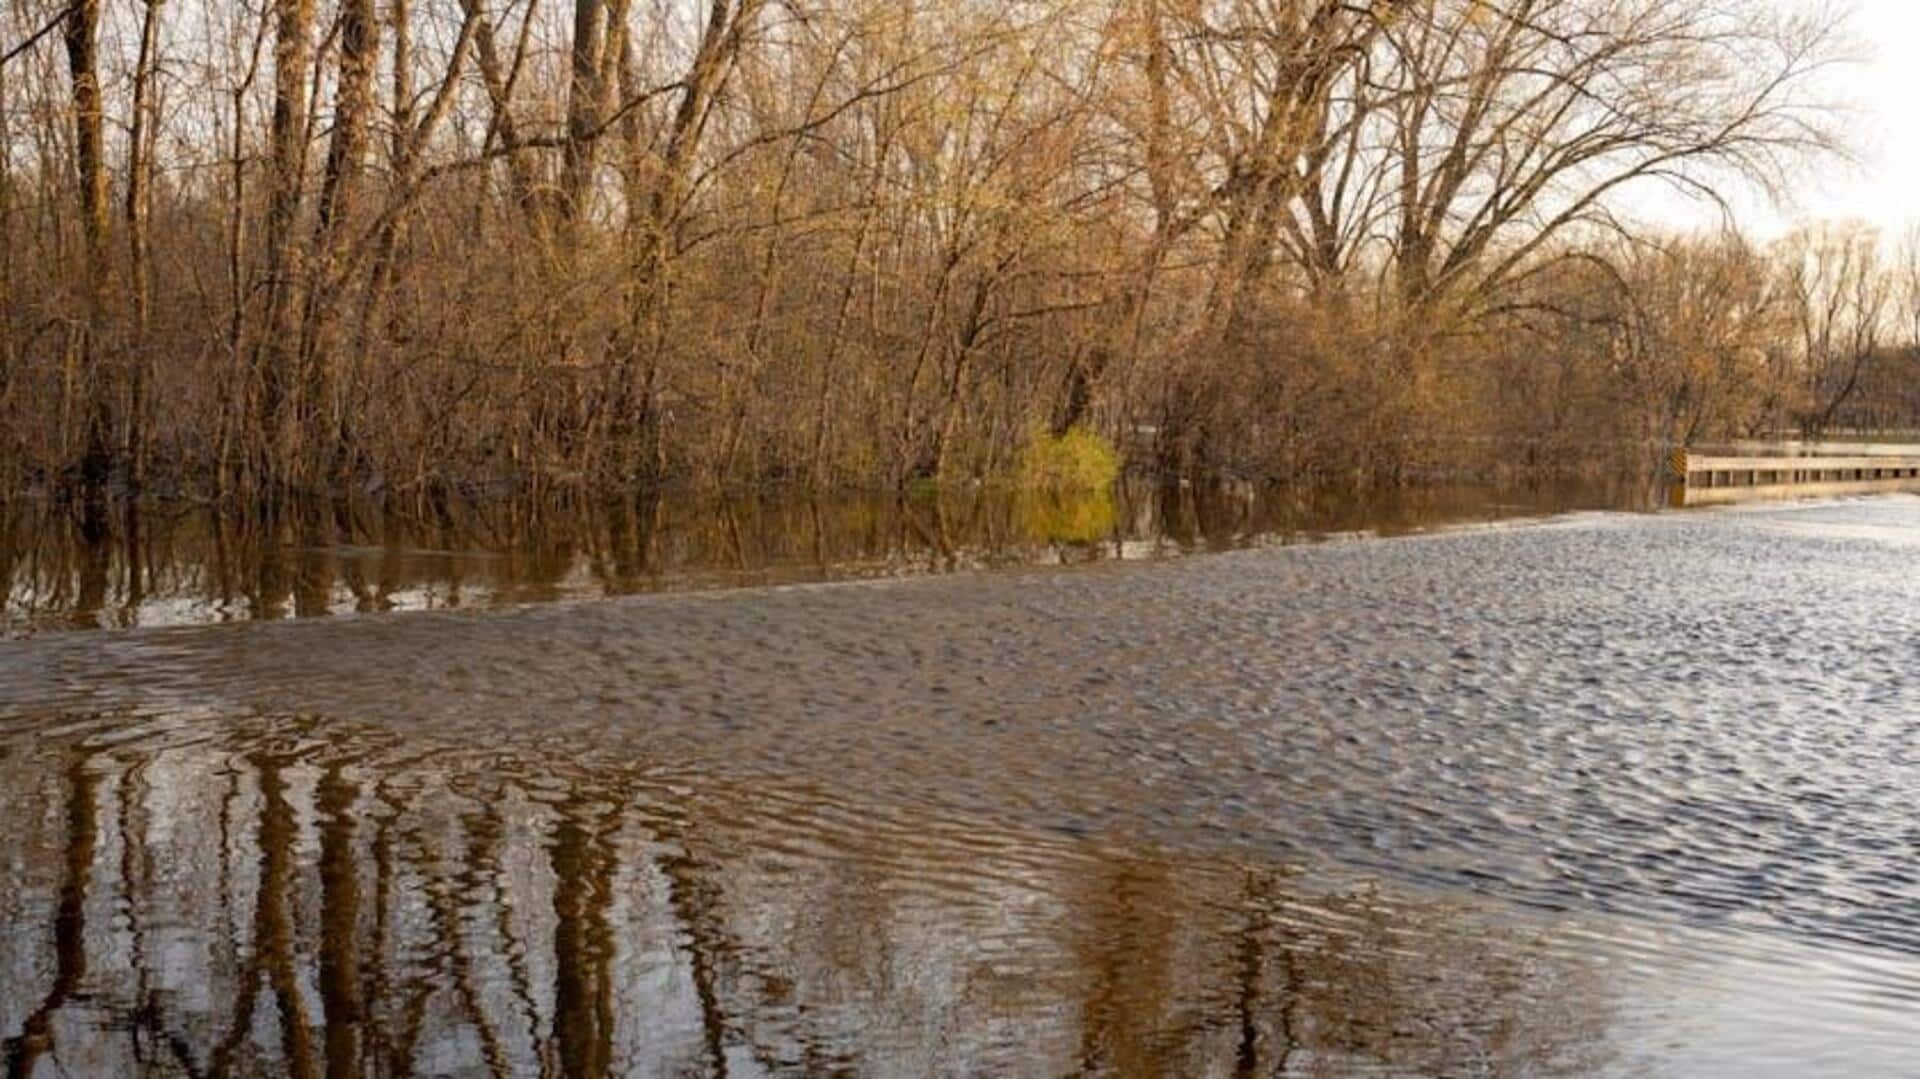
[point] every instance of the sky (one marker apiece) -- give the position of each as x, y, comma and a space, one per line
1883, 90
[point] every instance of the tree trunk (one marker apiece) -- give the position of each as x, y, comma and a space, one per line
400, 152
139, 248
8, 345
286, 166
522, 184
82, 31
583, 107
353, 102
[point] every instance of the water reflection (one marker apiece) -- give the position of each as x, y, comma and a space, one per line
172, 563
284, 895
1442, 806
289, 897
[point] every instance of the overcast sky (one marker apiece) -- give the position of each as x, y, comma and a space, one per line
1884, 89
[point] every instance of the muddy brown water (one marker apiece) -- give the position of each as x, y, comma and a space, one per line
165, 564
1592, 792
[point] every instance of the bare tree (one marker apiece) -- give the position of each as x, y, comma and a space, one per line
89, 375
287, 160
607, 242
1842, 303
353, 106
141, 133
1513, 122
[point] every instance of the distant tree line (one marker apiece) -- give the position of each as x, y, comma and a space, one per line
443, 243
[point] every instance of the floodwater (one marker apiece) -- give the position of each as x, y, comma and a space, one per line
1605, 793
180, 563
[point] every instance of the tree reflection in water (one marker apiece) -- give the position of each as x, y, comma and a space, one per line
296, 896
163, 563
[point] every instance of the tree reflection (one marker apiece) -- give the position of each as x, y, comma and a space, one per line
417, 908
273, 938
145, 563
35, 1039
339, 922
582, 939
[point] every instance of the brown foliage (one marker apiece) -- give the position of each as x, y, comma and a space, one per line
454, 244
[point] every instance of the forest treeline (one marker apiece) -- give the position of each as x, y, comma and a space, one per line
322, 244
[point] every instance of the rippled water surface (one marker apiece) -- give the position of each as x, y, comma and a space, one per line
1615, 793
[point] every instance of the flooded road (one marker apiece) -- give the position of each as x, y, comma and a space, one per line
1607, 793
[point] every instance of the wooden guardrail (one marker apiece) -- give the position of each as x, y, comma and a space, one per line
1793, 470
1793, 448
